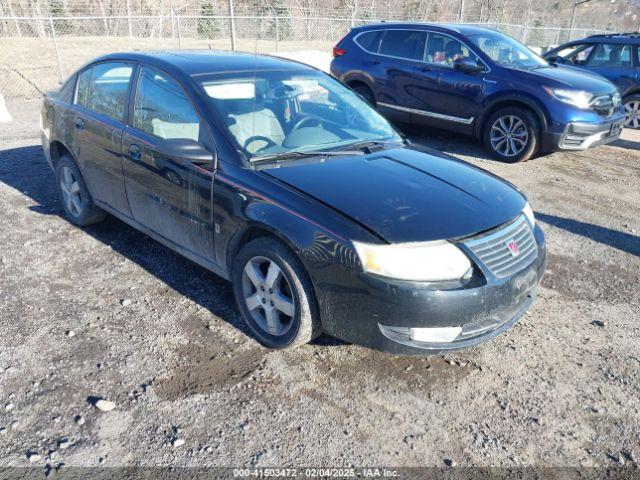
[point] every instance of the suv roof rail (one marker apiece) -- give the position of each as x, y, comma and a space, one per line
613, 34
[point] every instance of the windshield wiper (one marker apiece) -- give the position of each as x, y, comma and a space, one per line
301, 154
370, 145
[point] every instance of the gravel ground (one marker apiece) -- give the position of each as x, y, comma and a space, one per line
106, 312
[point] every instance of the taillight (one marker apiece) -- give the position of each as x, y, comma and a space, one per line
337, 52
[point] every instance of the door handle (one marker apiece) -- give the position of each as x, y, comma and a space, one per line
79, 123
424, 69
135, 152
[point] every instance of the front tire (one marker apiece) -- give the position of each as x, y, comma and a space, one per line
512, 135
76, 199
274, 294
632, 111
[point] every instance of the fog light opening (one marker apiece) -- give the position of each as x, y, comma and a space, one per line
435, 335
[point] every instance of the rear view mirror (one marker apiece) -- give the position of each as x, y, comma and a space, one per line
467, 65
188, 150
556, 60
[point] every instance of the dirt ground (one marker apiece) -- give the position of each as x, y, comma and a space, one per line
107, 312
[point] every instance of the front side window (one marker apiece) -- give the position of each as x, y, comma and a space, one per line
443, 50
407, 44
104, 89
273, 112
576, 54
613, 56
161, 107
506, 51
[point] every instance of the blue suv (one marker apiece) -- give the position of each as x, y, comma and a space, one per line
479, 82
615, 57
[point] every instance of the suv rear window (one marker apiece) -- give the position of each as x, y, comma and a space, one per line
611, 55
369, 41
407, 44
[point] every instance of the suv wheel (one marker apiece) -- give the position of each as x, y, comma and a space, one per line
632, 111
76, 200
511, 134
274, 294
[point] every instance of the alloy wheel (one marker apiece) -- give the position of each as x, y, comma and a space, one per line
632, 114
509, 135
71, 194
268, 296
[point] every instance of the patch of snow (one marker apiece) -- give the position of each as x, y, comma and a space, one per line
4, 113
315, 58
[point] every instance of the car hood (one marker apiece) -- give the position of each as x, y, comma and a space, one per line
569, 77
406, 196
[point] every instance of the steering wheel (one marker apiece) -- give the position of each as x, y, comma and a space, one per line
304, 120
257, 138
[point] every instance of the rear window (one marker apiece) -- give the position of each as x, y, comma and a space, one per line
104, 89
612, 56
407, 44
370, 41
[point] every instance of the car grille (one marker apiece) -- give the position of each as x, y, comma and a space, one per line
493, 249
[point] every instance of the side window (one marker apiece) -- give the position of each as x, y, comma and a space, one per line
83, 87
444, 51
369, 41
576, 54
404, 44
105, 91
162, 108
611, 55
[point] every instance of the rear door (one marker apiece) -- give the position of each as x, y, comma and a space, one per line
400, 52
443, 95
615, 62
97, 122
169, 196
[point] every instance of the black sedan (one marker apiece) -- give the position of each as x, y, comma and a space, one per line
277, 177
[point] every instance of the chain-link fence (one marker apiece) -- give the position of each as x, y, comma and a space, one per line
38, 52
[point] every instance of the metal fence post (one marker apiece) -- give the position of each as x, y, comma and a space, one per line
232, 26
178, 27
55, 45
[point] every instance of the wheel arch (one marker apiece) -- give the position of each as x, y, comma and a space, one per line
58, 150
511, 101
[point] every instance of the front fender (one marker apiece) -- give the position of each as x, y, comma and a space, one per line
503, 99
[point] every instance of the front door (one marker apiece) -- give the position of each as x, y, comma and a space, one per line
615, 62
443, 95
98, 122
167, 195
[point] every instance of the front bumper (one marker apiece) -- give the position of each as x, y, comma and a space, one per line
581, 135
378, 313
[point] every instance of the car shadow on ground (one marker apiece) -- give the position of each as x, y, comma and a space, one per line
625, 242
624, 143
25, 169
430, 139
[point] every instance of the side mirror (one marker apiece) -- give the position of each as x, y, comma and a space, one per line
188, 150
467, 65
556, 60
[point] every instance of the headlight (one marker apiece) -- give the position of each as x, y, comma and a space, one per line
528, 212
577, 98
420, 262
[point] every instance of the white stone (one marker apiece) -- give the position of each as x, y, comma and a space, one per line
4, 113
105, 405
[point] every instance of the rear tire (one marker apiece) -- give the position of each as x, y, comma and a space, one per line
512, 135
76, 199
274, 294
366, 93
632, 111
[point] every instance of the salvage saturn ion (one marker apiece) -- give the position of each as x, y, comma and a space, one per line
279, 178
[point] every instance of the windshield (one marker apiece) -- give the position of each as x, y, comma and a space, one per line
506, 51
273, 112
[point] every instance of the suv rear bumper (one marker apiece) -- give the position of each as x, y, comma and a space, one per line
580, 136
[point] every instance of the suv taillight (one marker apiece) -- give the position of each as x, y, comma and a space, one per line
337, 52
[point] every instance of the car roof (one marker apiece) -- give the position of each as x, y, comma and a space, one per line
202, 62
463, 29
632, 38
